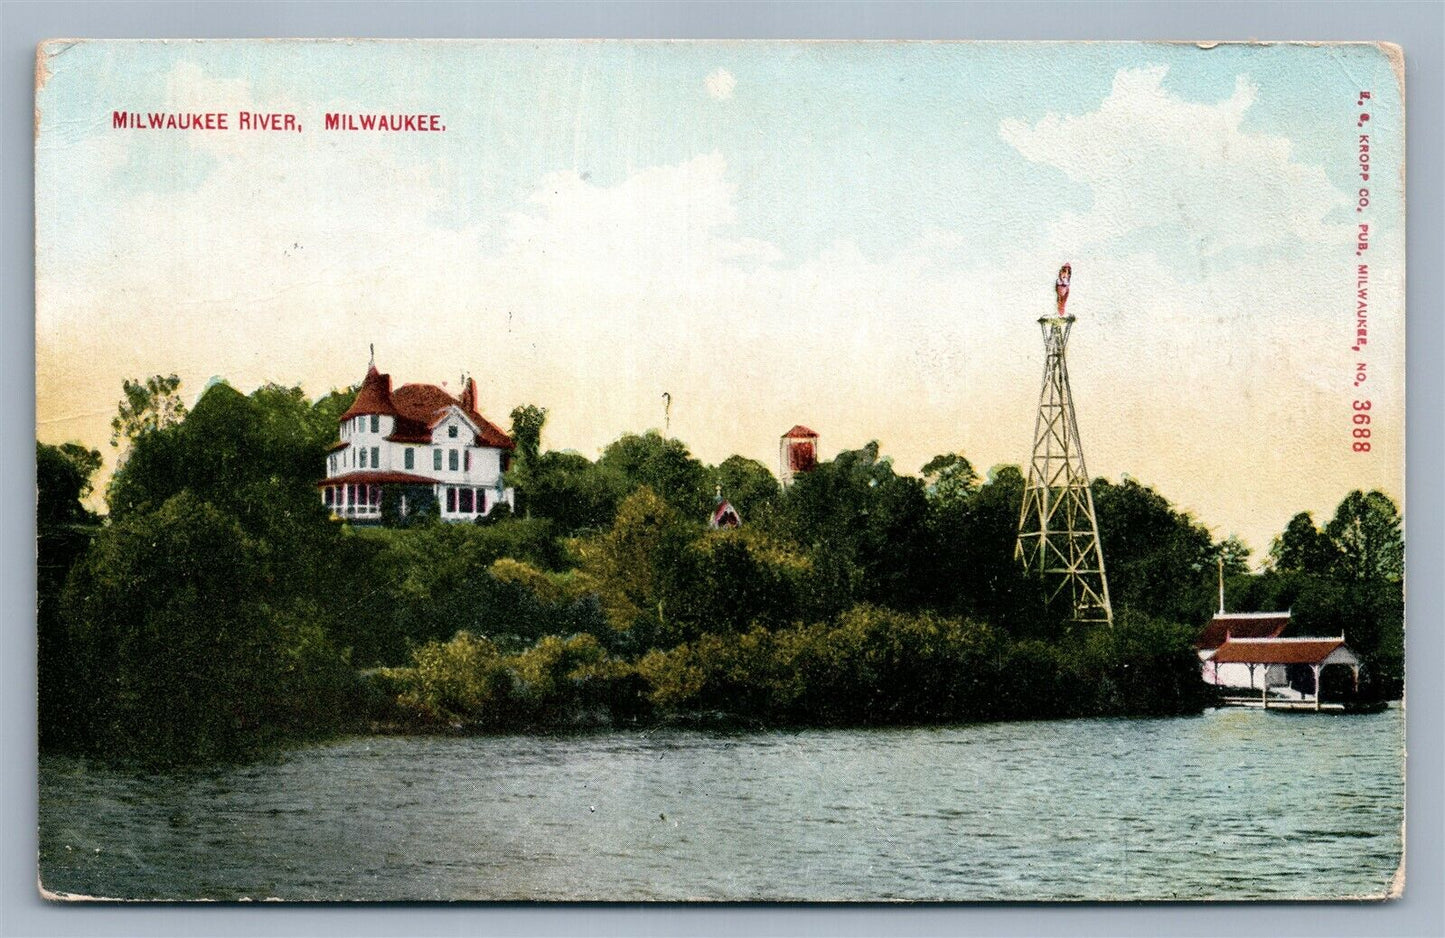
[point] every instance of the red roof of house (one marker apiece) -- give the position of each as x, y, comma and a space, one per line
1241, 625
800, 430
376, 477
418, 408
1276, 650
373, 398
339, 444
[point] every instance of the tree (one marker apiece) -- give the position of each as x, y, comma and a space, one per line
327, 410
748, 485
972, 567
949, 479
527, 423
625, 566
1235, 554
1366, 532
63, 479
864, 522
572, 491
148, 405
1160, 562
666, 467
1302, 548
187, 650
64, 528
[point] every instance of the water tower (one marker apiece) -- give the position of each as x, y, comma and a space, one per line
1058, 532
797, 453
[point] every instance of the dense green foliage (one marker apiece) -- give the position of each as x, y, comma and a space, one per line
218, 609
64, 528
183, 647
1346, 579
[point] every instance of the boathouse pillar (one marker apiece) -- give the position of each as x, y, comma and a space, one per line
1317, 669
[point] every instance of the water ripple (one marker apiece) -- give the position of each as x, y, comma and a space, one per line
1231, 805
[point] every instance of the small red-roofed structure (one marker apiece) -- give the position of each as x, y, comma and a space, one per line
797, 453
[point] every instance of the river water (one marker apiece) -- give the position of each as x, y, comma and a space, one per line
1233, 804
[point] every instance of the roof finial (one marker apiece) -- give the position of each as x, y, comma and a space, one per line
372, 363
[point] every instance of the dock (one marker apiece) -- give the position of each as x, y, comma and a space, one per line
1302, 706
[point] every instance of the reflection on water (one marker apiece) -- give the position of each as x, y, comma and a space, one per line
1234, 804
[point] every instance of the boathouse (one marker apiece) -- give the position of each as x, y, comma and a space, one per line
1290, 669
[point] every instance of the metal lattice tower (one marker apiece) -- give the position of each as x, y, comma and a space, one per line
1058, 532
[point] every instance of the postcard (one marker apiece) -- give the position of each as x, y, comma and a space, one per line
722, 471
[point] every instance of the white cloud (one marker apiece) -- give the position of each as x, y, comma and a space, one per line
720, 84
1152, 160
291, 257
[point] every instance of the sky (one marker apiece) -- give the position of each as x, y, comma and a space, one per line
858, 237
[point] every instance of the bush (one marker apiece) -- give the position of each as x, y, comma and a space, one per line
467, 681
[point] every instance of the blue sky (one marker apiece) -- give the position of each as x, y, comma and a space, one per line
864, 226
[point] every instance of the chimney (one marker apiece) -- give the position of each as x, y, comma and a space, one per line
469, 395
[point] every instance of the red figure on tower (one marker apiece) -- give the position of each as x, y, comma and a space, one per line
1061, 287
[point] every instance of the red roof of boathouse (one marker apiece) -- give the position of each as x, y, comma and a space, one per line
1241, 625
1276, 650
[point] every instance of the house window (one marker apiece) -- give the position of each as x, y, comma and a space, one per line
466, 501
436, 458
362, 457
351, 495
452, 431
451, 499
452, 460
326, 496
375, 424
376, 457
482, 500
467, 460
375, 496
409, 457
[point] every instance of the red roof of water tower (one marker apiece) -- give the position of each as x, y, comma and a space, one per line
800, 431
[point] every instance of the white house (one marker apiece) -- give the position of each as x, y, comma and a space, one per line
415, 444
